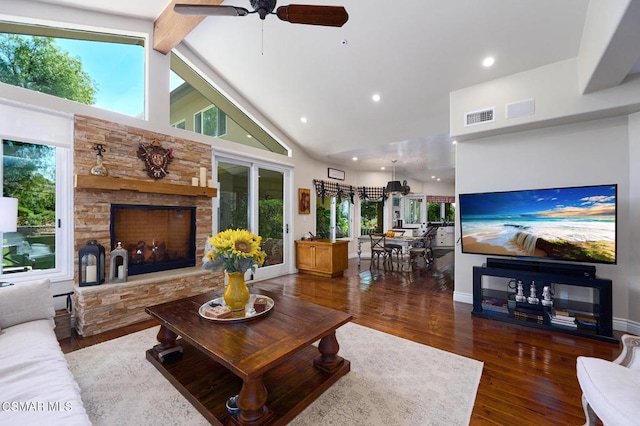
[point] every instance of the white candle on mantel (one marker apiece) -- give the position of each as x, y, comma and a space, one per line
203, 176
92, 274
210, 183
194, 181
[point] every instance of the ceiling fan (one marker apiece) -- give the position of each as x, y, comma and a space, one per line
405, 188
330, 16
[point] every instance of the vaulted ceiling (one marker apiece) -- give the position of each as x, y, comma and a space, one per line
411, 53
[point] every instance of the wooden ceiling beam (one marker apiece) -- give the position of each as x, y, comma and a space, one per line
170, 28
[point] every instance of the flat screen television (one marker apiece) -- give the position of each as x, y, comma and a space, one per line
576, 224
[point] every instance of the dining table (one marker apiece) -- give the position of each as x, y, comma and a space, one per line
403, 242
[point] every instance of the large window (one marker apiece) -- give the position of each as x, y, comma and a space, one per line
333, 218
441, 212
371, 214
30, 173
213, 114
104, 70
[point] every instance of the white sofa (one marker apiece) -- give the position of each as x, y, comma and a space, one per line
611, 389
36, 386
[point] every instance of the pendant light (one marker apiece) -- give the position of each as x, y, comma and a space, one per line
394, 186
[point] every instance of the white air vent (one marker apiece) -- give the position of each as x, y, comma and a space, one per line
520, 108
480, 117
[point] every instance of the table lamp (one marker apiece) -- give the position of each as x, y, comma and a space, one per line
8, 220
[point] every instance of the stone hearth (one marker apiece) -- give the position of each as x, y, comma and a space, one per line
110, 306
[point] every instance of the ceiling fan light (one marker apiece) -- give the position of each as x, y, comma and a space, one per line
394, 186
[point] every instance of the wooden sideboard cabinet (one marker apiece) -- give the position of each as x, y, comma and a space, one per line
322, 257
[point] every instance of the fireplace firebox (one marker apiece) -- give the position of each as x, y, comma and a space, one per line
157, 238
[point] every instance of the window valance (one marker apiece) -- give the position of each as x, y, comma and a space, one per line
344, 191
440, 199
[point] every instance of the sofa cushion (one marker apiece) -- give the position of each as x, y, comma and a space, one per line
36, 385
611, 389
26, 301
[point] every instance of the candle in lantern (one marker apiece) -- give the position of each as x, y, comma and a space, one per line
121, 271
92, 274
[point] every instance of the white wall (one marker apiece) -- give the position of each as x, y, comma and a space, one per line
596, 152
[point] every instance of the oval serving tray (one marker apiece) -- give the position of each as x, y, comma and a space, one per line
249, 312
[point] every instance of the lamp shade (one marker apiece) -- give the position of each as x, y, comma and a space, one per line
394, 186
8, 214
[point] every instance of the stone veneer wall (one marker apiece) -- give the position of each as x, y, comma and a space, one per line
108, 306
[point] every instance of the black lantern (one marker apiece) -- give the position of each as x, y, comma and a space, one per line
91, 264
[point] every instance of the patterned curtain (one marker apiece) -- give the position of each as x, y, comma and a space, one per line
343, 191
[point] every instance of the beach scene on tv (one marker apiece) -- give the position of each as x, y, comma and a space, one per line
575, 224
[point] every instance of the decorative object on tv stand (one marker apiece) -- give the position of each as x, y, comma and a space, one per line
91, 261
394, 186
546, 296
156, 159
533, 297
99, 169
119, 264
235, 251
520, 297
8, 218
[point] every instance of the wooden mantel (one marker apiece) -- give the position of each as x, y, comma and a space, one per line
117, 184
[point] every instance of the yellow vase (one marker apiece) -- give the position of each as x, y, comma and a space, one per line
236, 295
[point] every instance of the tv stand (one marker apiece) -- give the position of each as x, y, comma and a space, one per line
575, 303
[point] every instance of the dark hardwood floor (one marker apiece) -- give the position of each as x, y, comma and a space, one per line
529, 374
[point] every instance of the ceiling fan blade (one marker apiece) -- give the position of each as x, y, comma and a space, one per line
330, 16
203, 9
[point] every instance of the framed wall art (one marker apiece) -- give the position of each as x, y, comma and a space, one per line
304, 201
336, 174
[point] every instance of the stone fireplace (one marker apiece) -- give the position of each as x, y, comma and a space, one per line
111, 305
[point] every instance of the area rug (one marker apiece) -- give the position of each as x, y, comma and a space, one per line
392, 381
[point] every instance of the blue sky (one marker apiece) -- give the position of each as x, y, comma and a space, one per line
118, 70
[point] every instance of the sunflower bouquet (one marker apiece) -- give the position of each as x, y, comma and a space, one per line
233, 250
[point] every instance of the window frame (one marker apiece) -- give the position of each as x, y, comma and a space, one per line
333, 223
55, 130
55, 29
259, 135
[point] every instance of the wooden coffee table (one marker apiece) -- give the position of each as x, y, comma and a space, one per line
268, 361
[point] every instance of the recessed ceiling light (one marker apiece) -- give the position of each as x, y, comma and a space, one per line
249, 136
488, 61
382, 168
433, 177
454, 142
376, 97
303, 119
355, 158
438, 179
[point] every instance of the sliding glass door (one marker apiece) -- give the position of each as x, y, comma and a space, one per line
252, 196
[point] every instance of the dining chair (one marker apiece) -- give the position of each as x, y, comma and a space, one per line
423, 249
379, 248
